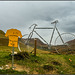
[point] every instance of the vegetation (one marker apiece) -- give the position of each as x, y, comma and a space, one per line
11, 71
40, 64
44, 62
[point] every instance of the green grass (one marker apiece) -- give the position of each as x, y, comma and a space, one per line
5, 51
37, 62
4, 58
71, 63
60, 63
11, 71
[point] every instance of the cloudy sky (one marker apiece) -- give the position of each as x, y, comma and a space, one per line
22, 14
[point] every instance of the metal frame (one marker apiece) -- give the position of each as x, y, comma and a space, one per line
54, 28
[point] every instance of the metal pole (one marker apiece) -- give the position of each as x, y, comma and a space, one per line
41, 37
60, 36
43, 28
13, 57
28, 38
52, 36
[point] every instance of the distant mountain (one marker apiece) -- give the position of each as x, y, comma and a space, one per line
2, 34
71, 42
31, 41
66, 49
3, 40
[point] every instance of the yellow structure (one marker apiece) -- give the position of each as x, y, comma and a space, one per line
13, 35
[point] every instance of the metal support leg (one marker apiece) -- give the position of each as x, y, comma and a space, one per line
60, 36
29, 37
13, 58
51, 38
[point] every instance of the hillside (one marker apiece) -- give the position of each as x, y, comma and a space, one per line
25, 62
2, 32
72, 42
69, 48
3, 40
31, 42
40, 45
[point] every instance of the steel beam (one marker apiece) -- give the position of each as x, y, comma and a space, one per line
43, 28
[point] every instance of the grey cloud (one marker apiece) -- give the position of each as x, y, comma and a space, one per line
67, 24
21, 15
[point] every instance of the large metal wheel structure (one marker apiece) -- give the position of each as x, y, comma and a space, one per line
68, 47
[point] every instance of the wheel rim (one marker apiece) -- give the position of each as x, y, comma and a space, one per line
67, 47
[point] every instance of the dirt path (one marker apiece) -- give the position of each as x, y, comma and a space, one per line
18, 67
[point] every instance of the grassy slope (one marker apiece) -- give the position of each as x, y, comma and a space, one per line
40, 64
36, 63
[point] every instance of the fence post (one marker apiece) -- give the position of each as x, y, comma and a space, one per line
35, 43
